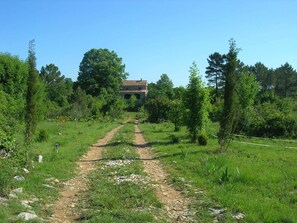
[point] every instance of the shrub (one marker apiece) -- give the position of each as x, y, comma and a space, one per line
174, 139
6, 176
42, 136
202, 139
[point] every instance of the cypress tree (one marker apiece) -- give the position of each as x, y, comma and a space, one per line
230, 110
196, 101
31, 98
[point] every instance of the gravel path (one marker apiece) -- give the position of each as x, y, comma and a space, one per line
174, 202
64, 210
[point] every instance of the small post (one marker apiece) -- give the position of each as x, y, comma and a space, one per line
56, 147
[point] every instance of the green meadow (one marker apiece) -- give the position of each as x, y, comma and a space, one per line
259, 181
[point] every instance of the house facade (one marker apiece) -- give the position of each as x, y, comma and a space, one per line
134, 87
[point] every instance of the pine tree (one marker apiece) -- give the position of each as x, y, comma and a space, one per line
214, 73
230, 110
32, 97
196, 100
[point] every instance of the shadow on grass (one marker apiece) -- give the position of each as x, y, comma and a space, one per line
137, 158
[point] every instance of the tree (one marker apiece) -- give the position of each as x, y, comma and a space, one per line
215, 74
286, 81
248, 90
230, 109
162, 88
264, 76
176, 113
58, 88
32, 97
165, 86
196, 102
101, 69
13, 76
132, 103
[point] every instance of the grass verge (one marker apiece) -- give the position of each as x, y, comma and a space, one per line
41, 184
258, 181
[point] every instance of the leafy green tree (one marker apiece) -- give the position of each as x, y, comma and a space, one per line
157, 109
214, 73
101, 69
32, 97
58, 88
81, 105
176, 113
132, 103
196, 102
247, 92
230, 109
13, 75
13, 87
162, 88
179, 92
165, 86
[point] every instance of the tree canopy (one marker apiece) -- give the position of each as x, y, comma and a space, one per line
101, 69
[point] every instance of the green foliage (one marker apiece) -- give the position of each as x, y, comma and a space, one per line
174, 138
32, 95
58, 88
196, 102
101, 69
13, 76
214, 73
6, 176
176, 114
42, 136
225, 177
132, 103
231, 108
202, 139
157, 109
163, 88
246, 178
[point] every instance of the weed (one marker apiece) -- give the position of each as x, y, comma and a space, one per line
42, 136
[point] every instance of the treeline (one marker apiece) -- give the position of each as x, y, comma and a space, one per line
251, 100
95, 95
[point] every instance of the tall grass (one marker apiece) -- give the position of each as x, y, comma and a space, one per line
45, 178
258, 181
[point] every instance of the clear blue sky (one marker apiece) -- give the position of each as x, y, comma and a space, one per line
152, 36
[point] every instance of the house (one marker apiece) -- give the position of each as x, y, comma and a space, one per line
134, 87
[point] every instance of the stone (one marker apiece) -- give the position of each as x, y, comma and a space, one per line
17, 191
3, 200
3, 153
239, 216
39, 158
27, 216
13, 196
217, 211
26, 170
19, 178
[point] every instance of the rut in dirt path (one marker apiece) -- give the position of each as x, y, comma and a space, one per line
174, 202
64, 210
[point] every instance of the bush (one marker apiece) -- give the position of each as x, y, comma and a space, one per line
6, 176
42, 136
202, 139
174, 139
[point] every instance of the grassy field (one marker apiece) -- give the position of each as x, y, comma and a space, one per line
257, 180
120, 191
41, 185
